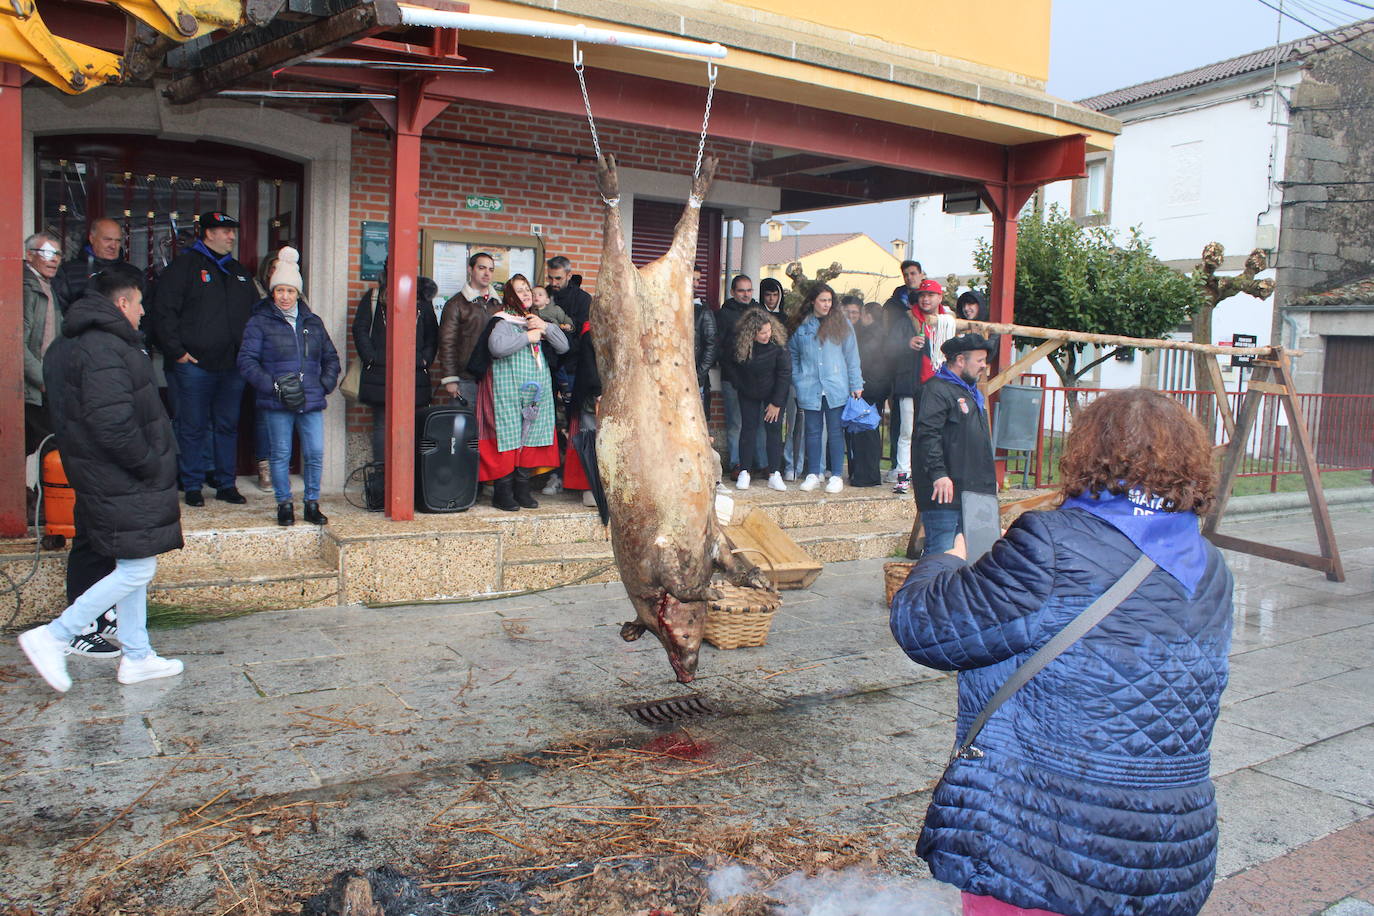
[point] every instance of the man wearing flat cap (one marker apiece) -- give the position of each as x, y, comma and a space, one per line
952, 454
204, 298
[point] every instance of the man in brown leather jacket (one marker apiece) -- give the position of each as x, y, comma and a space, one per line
464, 317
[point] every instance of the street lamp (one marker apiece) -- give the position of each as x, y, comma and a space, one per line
797, 225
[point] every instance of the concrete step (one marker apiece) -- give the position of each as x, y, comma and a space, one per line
245, 548
853, 541
260, 585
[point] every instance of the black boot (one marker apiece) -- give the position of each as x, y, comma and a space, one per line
522, 489
501, 496
286, 513
313, 515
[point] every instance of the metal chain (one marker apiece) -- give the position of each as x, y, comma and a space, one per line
587, 102
711, 71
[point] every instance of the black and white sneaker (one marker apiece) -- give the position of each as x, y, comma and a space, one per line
93, 645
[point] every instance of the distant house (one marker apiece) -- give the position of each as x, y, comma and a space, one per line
1265, 150
868, 267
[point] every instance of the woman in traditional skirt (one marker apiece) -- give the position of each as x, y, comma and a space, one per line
515, 412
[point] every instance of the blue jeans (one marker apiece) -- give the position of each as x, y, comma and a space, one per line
834, 439
207, 425
731, 400
310, 427
941, 527
261, 449
127, 589
793, 452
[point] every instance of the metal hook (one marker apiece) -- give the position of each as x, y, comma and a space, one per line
577, 57
711, 70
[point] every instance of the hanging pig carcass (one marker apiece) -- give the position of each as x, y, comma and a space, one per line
655, 457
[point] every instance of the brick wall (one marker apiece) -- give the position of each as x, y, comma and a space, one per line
537, 173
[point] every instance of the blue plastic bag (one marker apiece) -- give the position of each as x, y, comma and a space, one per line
859, 415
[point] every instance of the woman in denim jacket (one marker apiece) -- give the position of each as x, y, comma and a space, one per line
825, 372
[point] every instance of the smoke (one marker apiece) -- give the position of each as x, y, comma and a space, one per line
856, 892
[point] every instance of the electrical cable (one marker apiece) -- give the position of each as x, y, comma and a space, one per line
1345, 43
9, 585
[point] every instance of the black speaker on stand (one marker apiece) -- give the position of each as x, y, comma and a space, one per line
446, 458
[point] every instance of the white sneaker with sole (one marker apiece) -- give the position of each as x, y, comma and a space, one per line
810, 483
589, 499
790, 476
48, 655
132, 670
775, 482
742, 481
835, 484
554, 486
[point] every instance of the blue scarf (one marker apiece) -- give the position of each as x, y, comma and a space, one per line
1171, 539
949, 376
219, 259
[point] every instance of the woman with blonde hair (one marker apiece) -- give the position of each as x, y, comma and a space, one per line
1087, 791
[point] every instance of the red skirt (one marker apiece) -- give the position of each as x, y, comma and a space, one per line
493, 464
574, 475
979, 905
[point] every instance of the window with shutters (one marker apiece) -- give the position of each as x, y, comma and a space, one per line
654, 222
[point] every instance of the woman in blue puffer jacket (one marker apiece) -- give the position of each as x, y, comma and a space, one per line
1091, 796
825, 372
284, 340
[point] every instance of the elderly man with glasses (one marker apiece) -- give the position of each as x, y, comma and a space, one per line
42, 324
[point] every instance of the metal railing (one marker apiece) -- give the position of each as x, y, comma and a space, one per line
1341, 427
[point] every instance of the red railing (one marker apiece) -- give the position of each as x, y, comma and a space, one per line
1341, 427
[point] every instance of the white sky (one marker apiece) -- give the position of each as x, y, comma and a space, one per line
1098, 45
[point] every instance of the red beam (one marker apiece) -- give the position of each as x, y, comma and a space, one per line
408, 115
527, 82
786, 165
13, 518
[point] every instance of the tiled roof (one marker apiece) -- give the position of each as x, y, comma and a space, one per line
1255, 61
785, 251
1355, 292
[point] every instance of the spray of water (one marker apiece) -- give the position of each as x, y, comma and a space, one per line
854, 892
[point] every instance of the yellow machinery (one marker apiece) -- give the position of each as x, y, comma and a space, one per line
74, 67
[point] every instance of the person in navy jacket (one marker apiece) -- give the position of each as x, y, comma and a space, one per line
284, 340
1091, 795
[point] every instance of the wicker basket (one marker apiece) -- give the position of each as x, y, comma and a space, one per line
740, 617
894, 574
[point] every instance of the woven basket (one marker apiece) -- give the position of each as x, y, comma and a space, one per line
894, 574
740, 617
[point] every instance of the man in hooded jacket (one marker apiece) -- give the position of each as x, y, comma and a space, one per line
101, 254
120, 457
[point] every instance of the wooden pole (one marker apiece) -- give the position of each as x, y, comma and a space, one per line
1115, 340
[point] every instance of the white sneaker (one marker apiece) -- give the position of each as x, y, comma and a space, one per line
131, 671
775, 482
790, 476
742, 481
48, 655
589, 499
835, 484
554, 486
810, 483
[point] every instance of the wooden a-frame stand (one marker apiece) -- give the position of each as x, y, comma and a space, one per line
1273, 375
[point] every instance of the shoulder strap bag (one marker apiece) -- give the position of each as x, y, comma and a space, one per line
1080, 625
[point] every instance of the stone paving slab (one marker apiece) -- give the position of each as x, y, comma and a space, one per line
389, 717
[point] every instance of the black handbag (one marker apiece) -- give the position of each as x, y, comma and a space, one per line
290, 390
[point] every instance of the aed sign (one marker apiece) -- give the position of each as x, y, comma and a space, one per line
1243, 340
485, 204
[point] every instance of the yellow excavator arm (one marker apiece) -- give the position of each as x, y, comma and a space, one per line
74, 67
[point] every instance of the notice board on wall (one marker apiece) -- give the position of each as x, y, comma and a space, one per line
445, 253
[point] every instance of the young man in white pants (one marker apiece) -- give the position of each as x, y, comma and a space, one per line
119, 453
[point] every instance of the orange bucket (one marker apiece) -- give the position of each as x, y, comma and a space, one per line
59, 499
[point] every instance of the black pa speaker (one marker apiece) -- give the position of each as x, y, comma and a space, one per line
445, 458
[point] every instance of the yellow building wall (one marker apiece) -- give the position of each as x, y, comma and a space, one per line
1009, 35
869, 268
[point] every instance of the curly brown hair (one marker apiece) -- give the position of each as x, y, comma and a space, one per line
1140, 438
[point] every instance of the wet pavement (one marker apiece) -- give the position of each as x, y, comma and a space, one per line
298, 743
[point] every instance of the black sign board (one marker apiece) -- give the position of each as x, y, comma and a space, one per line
1243, 340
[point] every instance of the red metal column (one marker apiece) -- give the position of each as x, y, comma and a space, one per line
13, 520
408, 116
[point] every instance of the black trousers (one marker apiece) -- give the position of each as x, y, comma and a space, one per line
750, 416
85, 567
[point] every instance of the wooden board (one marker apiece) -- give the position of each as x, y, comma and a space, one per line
763, 543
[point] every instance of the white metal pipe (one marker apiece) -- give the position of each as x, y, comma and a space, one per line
442, 19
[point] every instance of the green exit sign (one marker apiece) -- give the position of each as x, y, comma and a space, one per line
485, 204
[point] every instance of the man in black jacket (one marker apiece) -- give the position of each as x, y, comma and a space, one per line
203, 300
705, 348
101, 255
740, 301
898, 368
119, 455
952, 453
